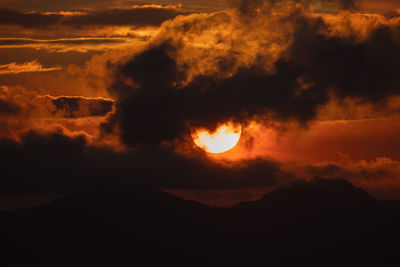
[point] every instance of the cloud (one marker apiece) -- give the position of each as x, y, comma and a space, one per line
30, 104
22, 109
80, 44
68, 163
60, 6
379, 169
138, 16
29, 20
79, 41
56, 148
388, 7
8, 107
380, 176
286, 77
78, 106
250, 6
32, 66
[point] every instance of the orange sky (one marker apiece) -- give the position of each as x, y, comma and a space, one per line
48, 57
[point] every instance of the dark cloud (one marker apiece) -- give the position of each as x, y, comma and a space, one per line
154, 112
29, 20
81, 107
55, 163
147, 16
313, 67
158, 111
27, 104
137, 16
66, 41
380, 169
367, 70
249, 6
46, 57
7, 107
53, 5
39, 162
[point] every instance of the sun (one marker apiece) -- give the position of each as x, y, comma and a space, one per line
223, 139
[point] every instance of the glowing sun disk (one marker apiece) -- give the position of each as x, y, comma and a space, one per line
222, 140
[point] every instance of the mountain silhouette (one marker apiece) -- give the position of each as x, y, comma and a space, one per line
318, 223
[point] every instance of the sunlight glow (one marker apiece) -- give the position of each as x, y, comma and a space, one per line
220, 141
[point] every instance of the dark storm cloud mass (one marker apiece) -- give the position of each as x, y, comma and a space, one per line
137, 16
314, 66
157, 111
55, 163
26, 167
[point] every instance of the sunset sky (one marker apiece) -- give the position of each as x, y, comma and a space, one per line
99, 91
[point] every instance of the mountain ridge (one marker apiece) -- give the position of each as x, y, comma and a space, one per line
106, 226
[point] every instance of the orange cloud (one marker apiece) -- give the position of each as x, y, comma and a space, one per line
80, 44
32, 66
22, 110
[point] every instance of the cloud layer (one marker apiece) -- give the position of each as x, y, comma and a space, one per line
33, 66
66, 163
138, 16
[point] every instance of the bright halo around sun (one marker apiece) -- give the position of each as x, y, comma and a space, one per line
223, 139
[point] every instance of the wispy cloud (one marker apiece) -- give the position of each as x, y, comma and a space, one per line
31, 66
82, 44
139, 16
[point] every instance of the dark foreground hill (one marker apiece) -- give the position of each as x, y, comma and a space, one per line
317, 223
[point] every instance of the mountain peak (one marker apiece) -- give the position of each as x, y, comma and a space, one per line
317, 194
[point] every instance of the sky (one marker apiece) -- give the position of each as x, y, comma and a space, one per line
95, 92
